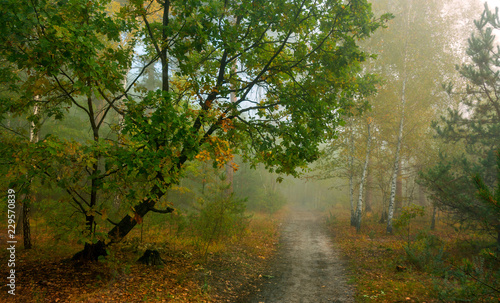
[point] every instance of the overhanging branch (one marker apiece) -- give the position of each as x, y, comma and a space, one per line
162, 211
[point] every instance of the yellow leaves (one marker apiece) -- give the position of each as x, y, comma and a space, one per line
234, 166
220, 152
203, 156
114, 7
226, 124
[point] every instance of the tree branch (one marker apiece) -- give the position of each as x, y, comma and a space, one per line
162, 211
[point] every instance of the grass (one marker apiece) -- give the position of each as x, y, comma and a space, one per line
225, 273
431, 267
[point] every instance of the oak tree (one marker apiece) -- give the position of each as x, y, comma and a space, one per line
293, 67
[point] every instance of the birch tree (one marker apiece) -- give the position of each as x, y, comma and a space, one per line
359, 209
395, 170
351, 171
414, 56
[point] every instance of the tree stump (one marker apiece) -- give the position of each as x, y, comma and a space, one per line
91, 252
151, 257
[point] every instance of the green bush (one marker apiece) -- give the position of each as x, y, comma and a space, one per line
218, 215
426, 253
219, 218
271, 202
471, 281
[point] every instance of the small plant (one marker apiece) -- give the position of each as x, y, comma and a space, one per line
205, 288
373, 297
427, 254
331, 219
371, 234
220, 216
403, 223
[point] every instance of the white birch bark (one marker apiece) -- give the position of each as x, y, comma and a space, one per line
359, 209
351, 174
121, 118
33, 131
121, 124
34, 137
230, 163
395, 171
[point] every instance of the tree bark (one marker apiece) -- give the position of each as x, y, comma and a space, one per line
498, 238
351, 174
230, 163
19, 218
422, 200
433, 221
368, 192
164, 50
26, 224
359, 209
92, 251
34, 137
395, 171
399, 191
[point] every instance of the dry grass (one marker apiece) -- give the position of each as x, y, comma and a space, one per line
384, 272
222, 273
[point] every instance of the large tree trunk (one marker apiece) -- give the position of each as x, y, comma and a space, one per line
383, 215
92, 252
359, 210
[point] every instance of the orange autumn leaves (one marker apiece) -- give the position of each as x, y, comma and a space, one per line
218, 150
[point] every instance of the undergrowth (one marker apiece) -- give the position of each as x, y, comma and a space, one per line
417, 264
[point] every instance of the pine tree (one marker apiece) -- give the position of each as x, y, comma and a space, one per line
475, 125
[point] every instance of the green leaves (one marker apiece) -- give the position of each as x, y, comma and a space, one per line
264, 79
159, 132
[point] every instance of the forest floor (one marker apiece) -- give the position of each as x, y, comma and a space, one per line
292, 256
224, 273
416, 264
308, 266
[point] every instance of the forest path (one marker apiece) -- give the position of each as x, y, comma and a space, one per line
308, 266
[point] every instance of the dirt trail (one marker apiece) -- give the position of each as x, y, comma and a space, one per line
308, 268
